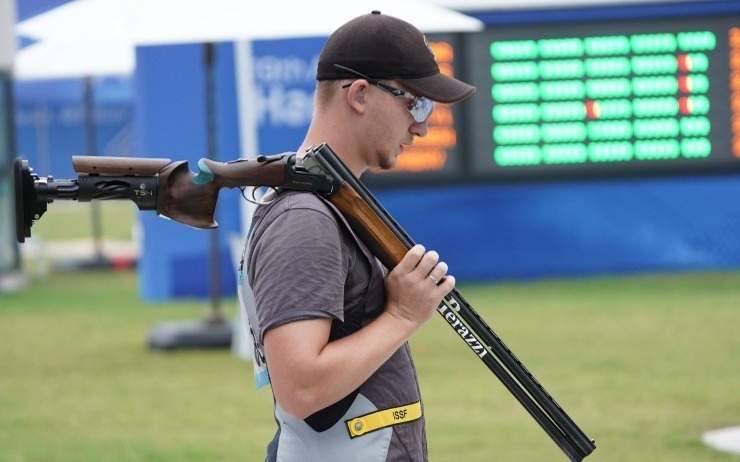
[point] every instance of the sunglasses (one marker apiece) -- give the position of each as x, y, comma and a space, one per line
420, 107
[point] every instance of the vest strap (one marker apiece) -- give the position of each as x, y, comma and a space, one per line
384, 418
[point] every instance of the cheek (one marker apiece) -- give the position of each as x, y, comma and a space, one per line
396, 125
381, 126
388, 126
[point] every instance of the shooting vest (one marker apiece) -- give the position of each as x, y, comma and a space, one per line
353, 428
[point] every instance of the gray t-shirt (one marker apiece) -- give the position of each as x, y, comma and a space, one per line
304, 262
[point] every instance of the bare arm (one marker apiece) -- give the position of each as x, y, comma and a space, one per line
309, 373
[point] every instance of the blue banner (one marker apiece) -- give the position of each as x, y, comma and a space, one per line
284, 78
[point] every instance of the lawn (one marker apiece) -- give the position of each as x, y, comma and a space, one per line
71, 220
644, 364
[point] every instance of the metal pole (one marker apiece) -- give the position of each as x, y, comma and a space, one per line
215, 314
7, 144
91, 142
214, 331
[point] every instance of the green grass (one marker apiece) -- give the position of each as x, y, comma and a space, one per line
66, 220
644, 364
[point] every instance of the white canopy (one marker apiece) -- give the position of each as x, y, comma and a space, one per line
97, 37
7, 44
158, 22
503, 5
59, 59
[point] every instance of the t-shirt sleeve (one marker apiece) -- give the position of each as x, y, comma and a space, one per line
297, 270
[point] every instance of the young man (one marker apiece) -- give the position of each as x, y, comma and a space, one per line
331, 323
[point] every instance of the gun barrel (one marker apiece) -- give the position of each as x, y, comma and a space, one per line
49, 189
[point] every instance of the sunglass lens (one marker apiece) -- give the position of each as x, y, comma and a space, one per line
422, 109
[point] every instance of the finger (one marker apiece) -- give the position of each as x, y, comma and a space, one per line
438, 272
427, 262
411, 259
446, 285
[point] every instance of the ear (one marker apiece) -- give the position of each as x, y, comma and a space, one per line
357, 96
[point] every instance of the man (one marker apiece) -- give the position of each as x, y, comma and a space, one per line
331, 322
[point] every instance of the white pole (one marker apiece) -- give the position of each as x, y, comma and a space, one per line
242, 344
7, 35
247, 113
10, 276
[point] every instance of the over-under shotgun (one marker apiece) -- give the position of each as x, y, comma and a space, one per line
175, 192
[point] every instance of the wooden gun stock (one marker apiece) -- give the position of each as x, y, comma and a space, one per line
181, 195
168, 187
191, 199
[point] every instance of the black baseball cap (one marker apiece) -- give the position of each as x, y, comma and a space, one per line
387, 48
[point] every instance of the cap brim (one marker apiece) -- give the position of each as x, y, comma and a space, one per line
439, 87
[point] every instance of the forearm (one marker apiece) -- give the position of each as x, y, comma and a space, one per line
309, 373
319, 378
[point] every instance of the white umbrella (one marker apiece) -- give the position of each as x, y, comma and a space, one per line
158, 22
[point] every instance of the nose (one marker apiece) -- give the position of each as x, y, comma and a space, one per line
419, 128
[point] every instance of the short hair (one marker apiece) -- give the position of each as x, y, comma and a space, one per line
325, 91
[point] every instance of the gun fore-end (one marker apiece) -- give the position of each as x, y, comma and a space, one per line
365, 222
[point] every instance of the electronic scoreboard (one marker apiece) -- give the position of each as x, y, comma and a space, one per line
618, 97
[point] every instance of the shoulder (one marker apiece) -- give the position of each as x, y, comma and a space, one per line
295, 214
291, 202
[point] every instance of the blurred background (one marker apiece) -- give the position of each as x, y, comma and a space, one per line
586, 198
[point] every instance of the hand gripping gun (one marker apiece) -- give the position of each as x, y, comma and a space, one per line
175, 192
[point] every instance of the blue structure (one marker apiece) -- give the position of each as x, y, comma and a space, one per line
171, 122
170, 106
576, 229
50, 121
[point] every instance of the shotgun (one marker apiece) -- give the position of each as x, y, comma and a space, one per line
175, 192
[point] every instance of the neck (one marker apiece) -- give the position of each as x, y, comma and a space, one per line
337, 137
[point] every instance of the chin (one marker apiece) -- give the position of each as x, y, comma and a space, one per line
387, 163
